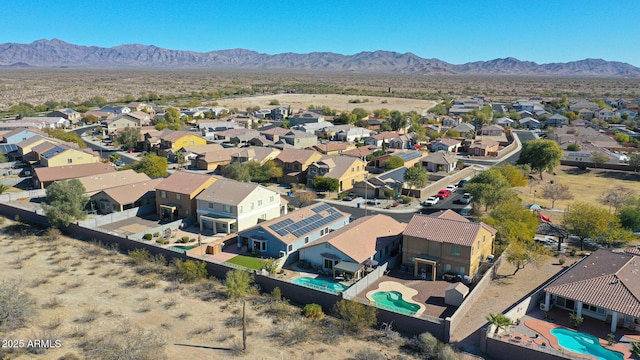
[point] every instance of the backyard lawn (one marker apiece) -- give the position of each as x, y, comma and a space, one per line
247, 261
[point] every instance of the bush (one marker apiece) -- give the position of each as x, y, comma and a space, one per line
357, 316
562, 259
147, 236
368, 354
313, 312
238, 283
52, 234
184, 239
162, 241
126, 343
156, 234
139, 256
274, 102
191, 270
16, 305
406, 200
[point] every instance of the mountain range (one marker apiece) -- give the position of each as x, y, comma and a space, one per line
59, 54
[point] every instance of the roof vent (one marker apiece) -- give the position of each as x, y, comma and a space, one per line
614, 282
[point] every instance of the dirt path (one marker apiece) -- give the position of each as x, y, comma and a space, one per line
500, 295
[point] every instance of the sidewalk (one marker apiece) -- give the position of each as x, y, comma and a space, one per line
402, 208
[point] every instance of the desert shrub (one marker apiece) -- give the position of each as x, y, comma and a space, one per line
132, 344
191, 270
313, 311
52, 234
162, 241
426, 344
238, 283
16, 305
276, 293
446, 352
368, 354
184, 239
356, 315
139, 256
69, 356
562, 259
274, 102
406, 200
147, 236
156, 234
271, 265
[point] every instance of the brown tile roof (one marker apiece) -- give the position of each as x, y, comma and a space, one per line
445, 230
95, 183
130, 193
292, 155
633, 250
220, 155
46, 174
449, 215
361, 151
446, 141
275, 131
171, 135
228, 134
361, 239
338, 165
441, 157
201, 149
300, 215
386, 135
230, 192
332, 146
183, 182
606, 279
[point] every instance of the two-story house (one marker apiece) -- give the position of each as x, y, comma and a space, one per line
557, 120
63, 155
297, 140
69, 114
228, 206
286, 234
445, 243
21, 134
174, 140
120, 122
305, 117
294, 164
346, 169
176, 195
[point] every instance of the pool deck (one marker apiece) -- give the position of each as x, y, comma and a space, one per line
407, 293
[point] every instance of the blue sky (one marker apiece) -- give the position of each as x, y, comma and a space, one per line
454, 31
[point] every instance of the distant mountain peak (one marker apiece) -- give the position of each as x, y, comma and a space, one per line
54, 53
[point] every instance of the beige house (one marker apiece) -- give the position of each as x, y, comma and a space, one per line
120, 122
176, 195
45, 176
294, 163
228, 206
63, 155
125, 197
446, 243
346, 169
96, 183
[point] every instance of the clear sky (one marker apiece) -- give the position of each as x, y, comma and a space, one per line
456, 31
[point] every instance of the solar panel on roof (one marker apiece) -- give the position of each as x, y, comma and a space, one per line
282, 232
322, 207
7, 148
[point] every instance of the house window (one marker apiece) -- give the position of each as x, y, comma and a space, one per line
328, 263
252, 205
560, 301
326, 230
271, 198
177, 196
259, 203
163, 194
460, 270
306, 240
240, 209
69, 161
447, 267
226, 208
290, 248
210, 205
260, 245
454, 250
321, 232
263, 216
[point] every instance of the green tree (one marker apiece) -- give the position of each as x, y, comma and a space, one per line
629, 216
439, 109
172, 119
452, 133
382, 113
191, 270
128, 138
417, 177
89, 119
585, 220
322, 183
541, 155
397, 121
622, 138
65, 202
521, 253
345, 118
23, 109
573, 147
489, 188
66, 136
360, 113
393, 162
152, 165
598, 159
238, 283
3, 158
357, 316
237, 171
114, 158
512, 221
514, 175
499, 321
634, 161
271, 170
304, 197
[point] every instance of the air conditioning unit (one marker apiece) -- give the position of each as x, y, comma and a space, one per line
544, 307
489, 257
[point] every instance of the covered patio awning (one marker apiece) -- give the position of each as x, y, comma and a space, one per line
348, 267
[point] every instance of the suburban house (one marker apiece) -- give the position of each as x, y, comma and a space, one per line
305, 117
54, 122
228, 206
69, 114
440, 161
604, 285
174, 140
492, 130
446, 243
529, 123
294, 163
465, 129
484, 147
375, 237
64, 155
312, 128
405, 141
445, 144
236, 136
125, 197
557, 120
137, 106
274, 133
352, 134
21, 134
297, 140
191, 152
254, 153
280, 112
45, 176
381, 138
211, 160
96, 183
116, 109
347, 170
120, 122
505, 121
176, 195
333, 147
451, 121
286, 234
361, 152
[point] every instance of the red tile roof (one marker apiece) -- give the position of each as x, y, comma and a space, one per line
445, 230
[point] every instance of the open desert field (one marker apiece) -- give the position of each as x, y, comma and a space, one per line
96, 301
337, 102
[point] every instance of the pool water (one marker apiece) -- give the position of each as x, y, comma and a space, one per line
181, 249
582, 343
320, 284
392, 300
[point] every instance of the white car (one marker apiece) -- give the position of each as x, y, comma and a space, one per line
466, 198
452, 188
431, 200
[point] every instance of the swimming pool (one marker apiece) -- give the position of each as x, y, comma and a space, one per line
392, 300
181, 249
582, 343
320, 284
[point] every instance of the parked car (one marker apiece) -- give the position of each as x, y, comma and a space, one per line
444, 193
465, 199
452, 188
462, 183
348, 198
430, 201
373, 202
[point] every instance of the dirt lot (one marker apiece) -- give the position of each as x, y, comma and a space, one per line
337, 102
83, 293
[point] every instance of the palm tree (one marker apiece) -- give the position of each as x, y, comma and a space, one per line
499, 321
